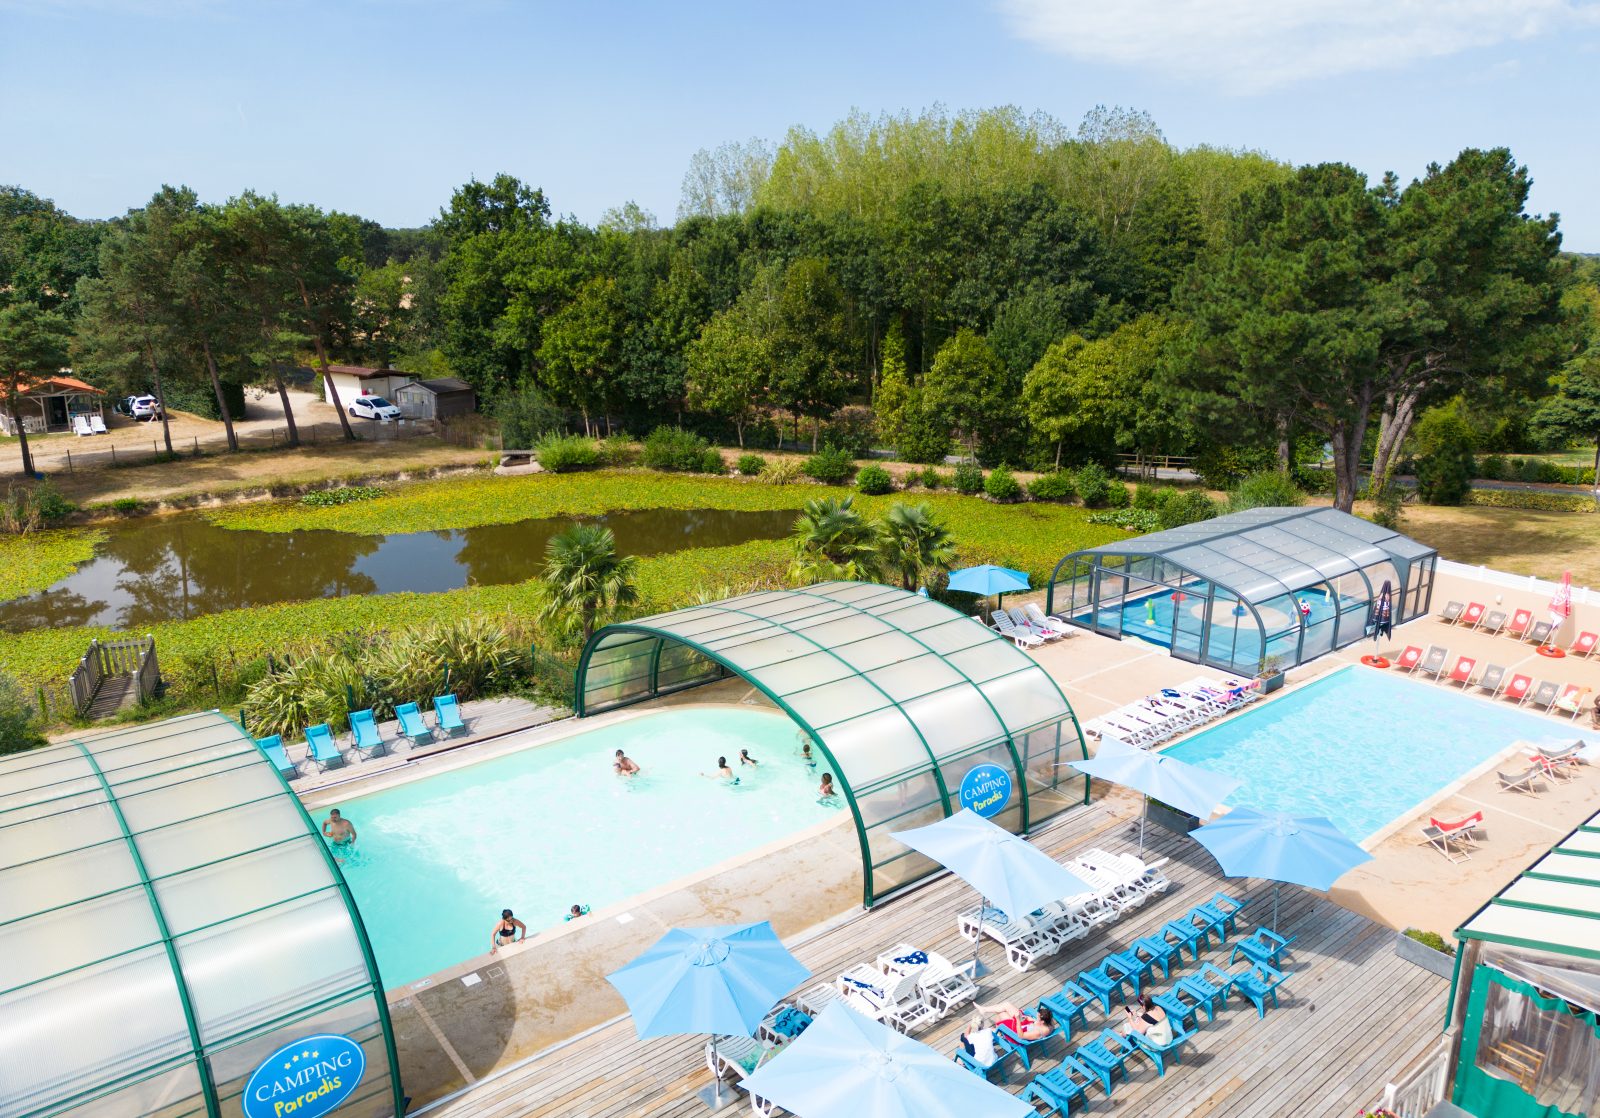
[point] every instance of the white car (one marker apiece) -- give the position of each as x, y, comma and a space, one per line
373, 407
144, 407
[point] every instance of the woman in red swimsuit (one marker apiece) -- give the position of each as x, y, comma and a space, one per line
1012, 1017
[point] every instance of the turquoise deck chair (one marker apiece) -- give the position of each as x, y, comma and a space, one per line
447, 715
323, 749
411, 724
364, 736
273, 748
1160, 1053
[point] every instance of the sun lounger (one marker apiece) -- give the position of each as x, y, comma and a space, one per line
1520, 620
1025, 943
1583, 645
1571, 700
1539, 633
1260, 983
1491, 679
1008, 628
324, 751
1494, 622
1451, 846
1106, 1055
1544, 695
1517, 690
1451, 612
411, 724
1182, 1012
1523, 781
945, 985
80, 426
783, 1024
1465, 826
1433, 663
1049, 621
1024, 1048
364, 736
1184, 934
1408, 660
817, 997
1021, 620
273, 748
1158, 952
1105, 982
97, 424
892, 999
1462, 672
1571, 752
1471, 615
447, 715
1553, 770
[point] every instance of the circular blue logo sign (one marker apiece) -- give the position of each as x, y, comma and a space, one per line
306, 1079
986, 789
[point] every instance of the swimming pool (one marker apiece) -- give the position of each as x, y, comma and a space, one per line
1361, 747
1151, 617
551, 826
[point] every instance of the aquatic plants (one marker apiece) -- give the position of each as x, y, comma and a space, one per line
31, 563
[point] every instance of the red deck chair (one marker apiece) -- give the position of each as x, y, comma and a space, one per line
1518, 689
1471, 615
1460, 828
1585, 644
1571, 700
1462, 672
1410, 658
1519, 623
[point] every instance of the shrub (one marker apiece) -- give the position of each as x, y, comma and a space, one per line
874, 481
1523, 499
1388, 509
831, 466
330, 498
1185, 506
51, 504
1145, 496
968, 478
1135, 520
932, 479
1444, 456
750, 465
781, 471
562, 454
1000, 485
711, 462
1267, 489
1319, 482
673, 448
1094, 485
1116, 495
1054, 486
850, 429
924, 434
126, 505
1492, 467
1223, 467
19, 728
1431, 939
616, 449
525, 414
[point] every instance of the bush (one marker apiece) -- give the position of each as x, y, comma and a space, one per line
850, 429
1185, 506
1116, 495
562, 454
1267, 489
1321, 483
750, 465
932, 479
831, 466
1523, 499
1388, 509
326, 498
525, 414
1000, 485
968, 479
19, 728
1492, 467
26, 508
673, 448
1145, 496
781, 471
1223, 467
874, 481
1444, 456
1054, 486
1135, 520
924, 435
616, 449
1431, 939
1094, 485
711, 462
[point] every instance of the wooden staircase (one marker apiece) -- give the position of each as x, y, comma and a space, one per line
114, 675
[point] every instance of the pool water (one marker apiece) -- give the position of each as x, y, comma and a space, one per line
551, 826
1150, 618
1361, 747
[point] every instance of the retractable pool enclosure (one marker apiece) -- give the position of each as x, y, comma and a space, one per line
918, 710
175, 938
1284, 585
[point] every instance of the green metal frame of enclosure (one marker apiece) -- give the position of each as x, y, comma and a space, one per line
172, 852
901, 668
1259, 561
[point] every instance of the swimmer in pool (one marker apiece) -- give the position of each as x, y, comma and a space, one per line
508, 930
338, 830
746, 759
578, 910
723, 773
624, 765
825, 791
805, 755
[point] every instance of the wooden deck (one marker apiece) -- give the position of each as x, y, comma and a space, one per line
1352, 1016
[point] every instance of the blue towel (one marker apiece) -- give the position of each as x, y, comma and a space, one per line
867, 986
915, 959
791, 1022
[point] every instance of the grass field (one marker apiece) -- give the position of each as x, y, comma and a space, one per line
1543, 544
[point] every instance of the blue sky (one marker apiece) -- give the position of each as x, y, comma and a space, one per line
382, 107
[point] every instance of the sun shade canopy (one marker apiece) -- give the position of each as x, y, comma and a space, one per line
1554, 905
1283, 583
169, 918
902, 696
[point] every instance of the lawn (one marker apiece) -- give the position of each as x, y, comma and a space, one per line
1543, 544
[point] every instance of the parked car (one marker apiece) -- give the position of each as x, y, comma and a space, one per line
124, 406
373, 407
144, 407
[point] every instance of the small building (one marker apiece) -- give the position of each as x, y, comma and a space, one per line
440, 398
362, 380
49, 404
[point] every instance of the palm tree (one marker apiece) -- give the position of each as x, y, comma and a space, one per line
585, 575
915, 543
833, 540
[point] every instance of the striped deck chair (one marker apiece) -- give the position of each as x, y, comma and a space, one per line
1472, 615
1571, 701
1539, 633
1583, 645
1409, 659
1491, 679
1462, 672
1493, 623
1519, 687
1433, 663
1519, 623
1451, 612
1544, 695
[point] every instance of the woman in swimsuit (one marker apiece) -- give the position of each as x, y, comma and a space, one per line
509, 930
1150, 1019
746, 759
723, 773
1012, 1017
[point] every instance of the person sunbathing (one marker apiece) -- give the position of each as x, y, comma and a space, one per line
1012, 1017
978, 1041
1150, 1021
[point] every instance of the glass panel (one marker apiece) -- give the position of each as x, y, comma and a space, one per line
171, 1094
255, 781
954, 635
85, 933
989, 659
679, 665
853, 627
1551, 1052
42, 770
805, 671
954, 719
27, 840
233, 1064
29, 801
838, 701
66, 879
768, 650
915, 677
875, 652
875, 746
218, 835
251, 881
888, 806
1025, 699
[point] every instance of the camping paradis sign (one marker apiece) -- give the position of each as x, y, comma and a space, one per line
306, 1079
986, 789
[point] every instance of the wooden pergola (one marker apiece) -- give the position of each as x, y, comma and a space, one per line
55, 399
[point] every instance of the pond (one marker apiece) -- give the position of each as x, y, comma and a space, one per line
174, 568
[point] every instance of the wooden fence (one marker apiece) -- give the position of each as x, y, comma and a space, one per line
134, 656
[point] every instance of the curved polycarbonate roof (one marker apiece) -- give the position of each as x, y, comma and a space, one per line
168, 918
893, 687
1265, 553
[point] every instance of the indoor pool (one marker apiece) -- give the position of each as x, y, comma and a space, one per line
1150, 618
1361, 747
551, 826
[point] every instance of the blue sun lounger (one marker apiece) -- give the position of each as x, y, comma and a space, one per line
273, 748
1060, 1087
1207, 988
1068, 1006
411, 724
1259, 982
323, 750
447, 715
1261, 946
1106, 1056
364, 736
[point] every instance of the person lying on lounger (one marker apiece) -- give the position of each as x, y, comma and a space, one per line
1012, 1017
1150, 1019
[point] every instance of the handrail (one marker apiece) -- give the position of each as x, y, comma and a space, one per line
135, 656
1423, 1085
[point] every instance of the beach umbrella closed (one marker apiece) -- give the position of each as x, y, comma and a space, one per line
1189, 788
989, 581
845, 1066
1304, 850
721, 979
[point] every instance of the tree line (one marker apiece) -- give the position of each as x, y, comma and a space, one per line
990, 282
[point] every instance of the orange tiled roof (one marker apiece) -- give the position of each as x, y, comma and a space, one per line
70, 383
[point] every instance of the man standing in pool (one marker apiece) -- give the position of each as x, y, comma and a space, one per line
340, 833
624, 765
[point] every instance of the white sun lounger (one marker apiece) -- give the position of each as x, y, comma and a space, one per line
1049, 621
1008, 628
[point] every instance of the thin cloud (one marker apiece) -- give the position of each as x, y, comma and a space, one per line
1251, 45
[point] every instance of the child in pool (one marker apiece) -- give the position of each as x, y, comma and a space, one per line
723, 773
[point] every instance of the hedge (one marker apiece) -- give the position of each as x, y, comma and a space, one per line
1531, 500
